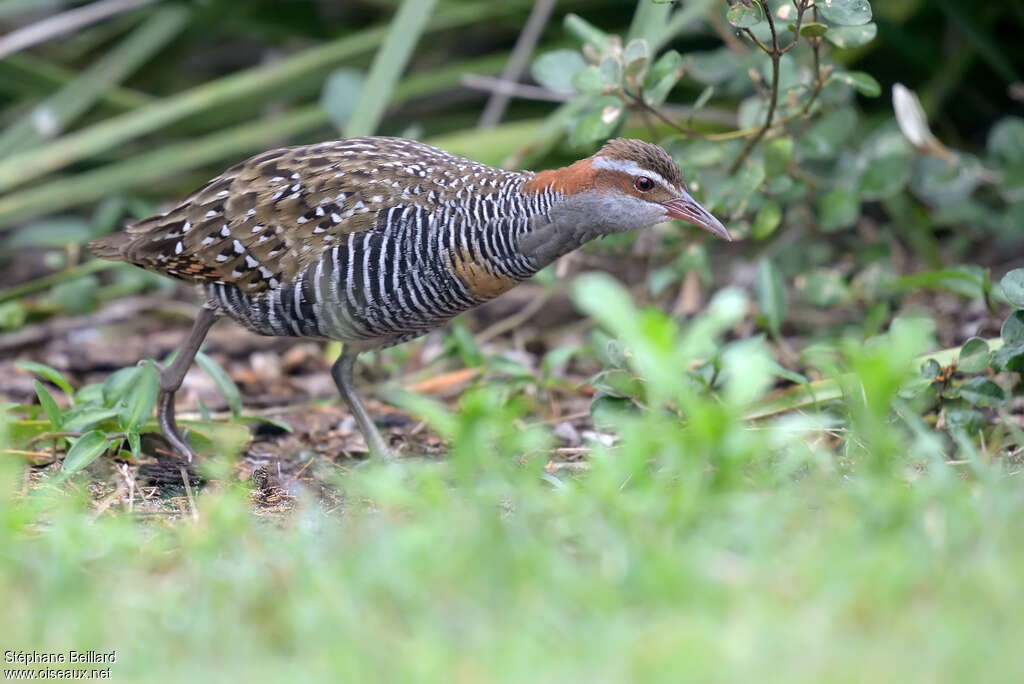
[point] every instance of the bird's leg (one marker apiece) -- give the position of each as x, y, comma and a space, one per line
341, 371
170, 381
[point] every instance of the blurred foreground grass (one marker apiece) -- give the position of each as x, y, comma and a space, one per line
482, 571
830, 546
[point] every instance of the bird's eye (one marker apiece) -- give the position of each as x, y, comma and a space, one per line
643, 183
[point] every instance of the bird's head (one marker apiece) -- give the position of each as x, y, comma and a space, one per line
628, 184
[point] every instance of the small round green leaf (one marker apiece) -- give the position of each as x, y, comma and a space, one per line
813, 29
1006, 141
635, 49
611, 70
598, 123
863, 83
823, 139
589, 80
1009, 358
974, 356
635, 58
555, 70
885, 176
744, 14
1013, 328
852, 36
943, 182
1013, 286
982, 392
845, 12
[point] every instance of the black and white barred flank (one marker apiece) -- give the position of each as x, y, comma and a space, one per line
396, 282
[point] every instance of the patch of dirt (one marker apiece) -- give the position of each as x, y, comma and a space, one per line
282, 380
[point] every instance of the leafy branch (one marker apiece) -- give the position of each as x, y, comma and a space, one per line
775, 52
635, 99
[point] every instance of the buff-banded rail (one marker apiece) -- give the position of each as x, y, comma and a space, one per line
375, 241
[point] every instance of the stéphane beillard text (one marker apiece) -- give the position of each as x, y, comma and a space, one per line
51, 657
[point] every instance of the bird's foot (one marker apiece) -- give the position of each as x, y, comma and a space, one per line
169, 426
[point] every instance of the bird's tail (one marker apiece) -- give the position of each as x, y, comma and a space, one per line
111, 247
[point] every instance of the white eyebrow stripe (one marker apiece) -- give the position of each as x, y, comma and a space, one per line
633, 169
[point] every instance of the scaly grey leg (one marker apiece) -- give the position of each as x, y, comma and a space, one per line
170, 381
341, 371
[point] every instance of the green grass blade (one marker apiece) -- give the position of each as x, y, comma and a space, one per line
39, 284
13, 8
489, 145
25, 166
683, 17
223, 381
649, 20
64, 106
172, 160
388, 64
106, 135
155, 166
26, 74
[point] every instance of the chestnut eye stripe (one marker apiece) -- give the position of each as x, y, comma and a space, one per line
634, 170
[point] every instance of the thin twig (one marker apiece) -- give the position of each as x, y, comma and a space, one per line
65, 22
26, 453
775, 53
815, 91
129, 480
571, 466
51, 435
517, 62
188, 494
801, 7
819, 78
725, 32
508, 88
638, 100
